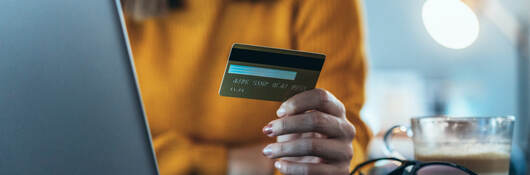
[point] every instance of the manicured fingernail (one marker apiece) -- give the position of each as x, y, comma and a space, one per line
267, 151
277, 164
280, 112
268, 130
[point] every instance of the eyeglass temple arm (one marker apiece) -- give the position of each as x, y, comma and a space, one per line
399, 170
371, 161
362, 165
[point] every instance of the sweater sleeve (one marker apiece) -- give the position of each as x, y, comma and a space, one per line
335, 29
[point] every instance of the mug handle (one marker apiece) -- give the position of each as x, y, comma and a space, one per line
389, 149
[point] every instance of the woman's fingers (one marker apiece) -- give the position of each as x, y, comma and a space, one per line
328, 149
314, 121
287, 137
292, 168
316, 99
327, 145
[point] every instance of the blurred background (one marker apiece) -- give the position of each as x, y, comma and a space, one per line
481, 70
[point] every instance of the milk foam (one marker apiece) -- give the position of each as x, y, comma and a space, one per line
483, 159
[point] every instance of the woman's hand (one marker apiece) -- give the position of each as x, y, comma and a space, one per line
313, 135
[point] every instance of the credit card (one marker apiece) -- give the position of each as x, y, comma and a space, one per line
265, 73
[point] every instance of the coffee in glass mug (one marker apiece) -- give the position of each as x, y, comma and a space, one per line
482, 144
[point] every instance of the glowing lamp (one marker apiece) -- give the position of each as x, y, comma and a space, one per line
451, 23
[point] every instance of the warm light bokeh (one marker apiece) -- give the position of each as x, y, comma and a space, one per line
451, 23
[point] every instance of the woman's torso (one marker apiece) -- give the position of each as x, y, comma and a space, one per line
180, 60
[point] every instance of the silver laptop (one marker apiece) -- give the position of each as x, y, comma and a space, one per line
69, 100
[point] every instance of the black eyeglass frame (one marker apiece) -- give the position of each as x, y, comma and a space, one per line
417, 165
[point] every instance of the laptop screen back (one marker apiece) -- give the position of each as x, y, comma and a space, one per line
69, 102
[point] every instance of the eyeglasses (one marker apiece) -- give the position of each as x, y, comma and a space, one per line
394, 166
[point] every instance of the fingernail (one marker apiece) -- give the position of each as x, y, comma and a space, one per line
268, 130
280, 112
267, 151
277, 164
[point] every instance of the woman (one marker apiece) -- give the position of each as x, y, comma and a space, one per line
180, 49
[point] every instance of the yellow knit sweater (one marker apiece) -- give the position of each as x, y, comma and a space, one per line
180, 59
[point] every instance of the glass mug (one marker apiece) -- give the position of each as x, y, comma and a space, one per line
482, 144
